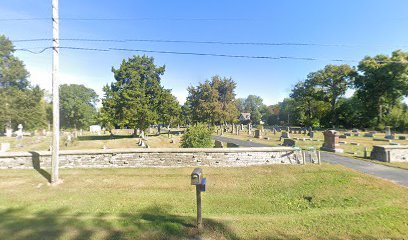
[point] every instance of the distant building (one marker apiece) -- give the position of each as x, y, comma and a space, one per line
245, 118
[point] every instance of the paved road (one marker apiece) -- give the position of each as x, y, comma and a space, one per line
396, 175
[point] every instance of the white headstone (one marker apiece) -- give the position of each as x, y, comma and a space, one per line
95, 129
4, 147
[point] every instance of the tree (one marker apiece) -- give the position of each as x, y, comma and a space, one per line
77, 106
213, 101
382, 83
136, 99
198, 136
310, 110
254, 105
169, 108
12, 69
331, 83
21, 102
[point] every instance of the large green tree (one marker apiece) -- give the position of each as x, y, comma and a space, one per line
381, 84
254, 105
21, 102
310, 109
212, 101
77, 106
331, 83
137, 99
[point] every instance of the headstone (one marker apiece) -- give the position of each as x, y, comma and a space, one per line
95, 129
355, 130
274, 131
242, 127
369, 134
289, 142
218, 144
9, 132
347, 134
258, 133
81, 132
331, 141
232, 145
4, 147
356, 134
343, 136
387, 131
311, 134
19, 132
285, 135
402, 138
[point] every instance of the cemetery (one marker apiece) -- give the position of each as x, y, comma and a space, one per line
123, 143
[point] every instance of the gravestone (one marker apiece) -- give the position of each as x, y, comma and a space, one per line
311, 134
232, 145
289, 142
218, 144
369, 134
9, 132
95, 129
331, 141
258, 133
402, 138
242, 127
285, 135
4, 147
274, 131
387, 132
19, 132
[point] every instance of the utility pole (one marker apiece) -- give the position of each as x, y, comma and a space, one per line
55, 93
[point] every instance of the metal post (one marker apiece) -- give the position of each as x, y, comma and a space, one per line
55, 93
199, 217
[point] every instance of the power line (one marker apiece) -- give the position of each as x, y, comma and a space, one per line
127, 19
201, 54
186, 53
201, 42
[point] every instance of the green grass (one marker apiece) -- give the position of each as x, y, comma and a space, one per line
88, 141
350, 150
269, 202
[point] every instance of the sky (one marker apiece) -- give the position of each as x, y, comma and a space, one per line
338, 29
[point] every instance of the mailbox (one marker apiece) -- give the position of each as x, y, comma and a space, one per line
197, 176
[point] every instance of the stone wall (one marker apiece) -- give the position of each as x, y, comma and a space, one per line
390, 153
159, 157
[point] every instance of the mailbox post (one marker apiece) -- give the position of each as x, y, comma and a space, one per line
199, 181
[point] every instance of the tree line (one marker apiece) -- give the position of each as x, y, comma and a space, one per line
137, 99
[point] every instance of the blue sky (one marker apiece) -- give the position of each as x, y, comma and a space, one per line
364, 27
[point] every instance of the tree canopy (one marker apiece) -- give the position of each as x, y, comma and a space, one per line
21, 102
212, 101
137, 99
77, 106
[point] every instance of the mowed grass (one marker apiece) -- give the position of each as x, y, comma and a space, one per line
89, 141
268, 202
350, 150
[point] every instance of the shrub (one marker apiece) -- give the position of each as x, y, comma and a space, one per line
198, 136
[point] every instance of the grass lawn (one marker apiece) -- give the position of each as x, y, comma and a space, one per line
350, 150
269, 202
89, 141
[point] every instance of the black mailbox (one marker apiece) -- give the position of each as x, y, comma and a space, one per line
197, 176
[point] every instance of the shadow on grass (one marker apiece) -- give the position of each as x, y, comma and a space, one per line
37, 166
150, 223
103, 137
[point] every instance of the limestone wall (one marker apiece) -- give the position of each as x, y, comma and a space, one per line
390, 153
159, 157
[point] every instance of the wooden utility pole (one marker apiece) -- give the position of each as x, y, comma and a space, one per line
55, 93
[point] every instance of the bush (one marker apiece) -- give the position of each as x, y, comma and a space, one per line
198, 136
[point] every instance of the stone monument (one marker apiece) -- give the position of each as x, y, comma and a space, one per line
331, 142
258, 133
